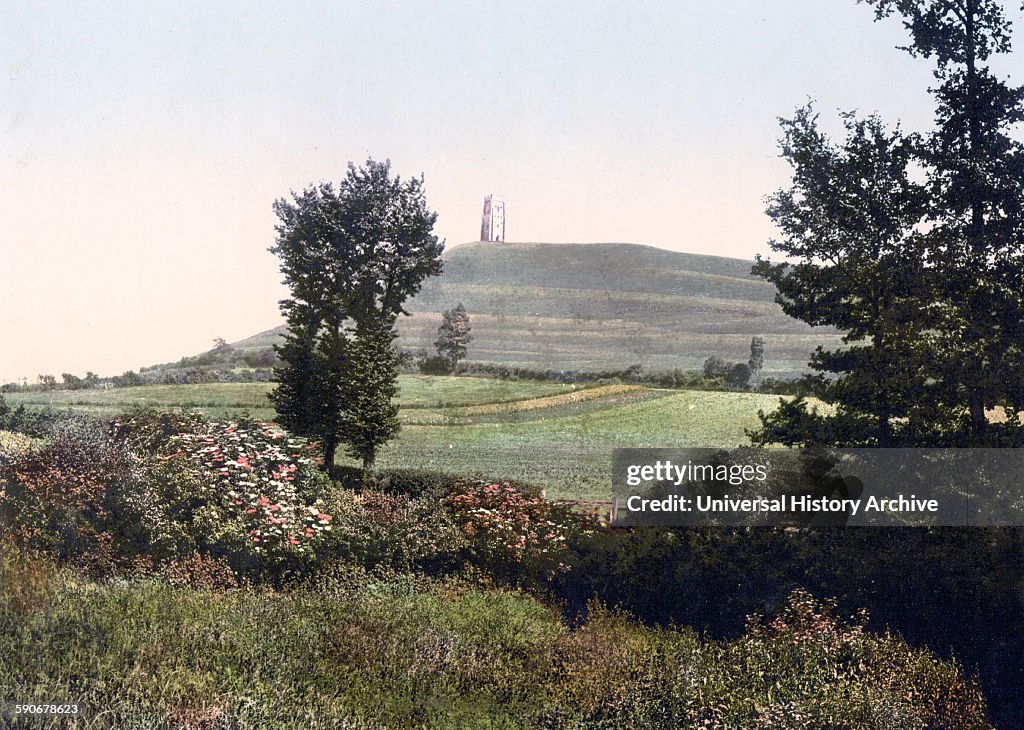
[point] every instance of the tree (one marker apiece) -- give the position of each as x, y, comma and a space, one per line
739, 376
975, 165
848, 220
351, 256
72, 382
756, 361
715, 367
453, 335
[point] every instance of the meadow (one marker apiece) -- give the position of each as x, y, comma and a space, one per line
374, 652
556, 436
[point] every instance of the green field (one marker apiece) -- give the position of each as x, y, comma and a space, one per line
232, 399
557, 436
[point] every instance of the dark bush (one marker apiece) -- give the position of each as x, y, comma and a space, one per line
435, 365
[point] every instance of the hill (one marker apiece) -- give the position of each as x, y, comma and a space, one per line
602, 306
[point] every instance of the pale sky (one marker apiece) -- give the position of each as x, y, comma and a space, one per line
143, 143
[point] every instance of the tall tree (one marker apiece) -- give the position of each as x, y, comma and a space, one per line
934, 322
848, 220
453, 336
351, 257
756, 361
975, 169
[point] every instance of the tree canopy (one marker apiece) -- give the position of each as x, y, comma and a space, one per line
351, 256
913, 244
453, 336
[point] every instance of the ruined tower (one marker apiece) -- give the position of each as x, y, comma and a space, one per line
492, 225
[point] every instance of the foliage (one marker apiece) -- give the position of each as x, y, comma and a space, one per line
974, 159
351, 257
384, 651
715, 367
242, 491
200, 571
436, 365
513, 534
370, 385
256, 470
396, 532
162, 488
54, 498
849, 219
453, 336
711, 578
924, 277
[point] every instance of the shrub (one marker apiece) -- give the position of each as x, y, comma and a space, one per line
410, 482
166, 489
54, 498
393, 531
238, 491
13, 444
511, 533
805, 669
151, 431
435, 365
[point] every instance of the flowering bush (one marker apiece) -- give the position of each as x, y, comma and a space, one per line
235, 490
255, 469
511, 531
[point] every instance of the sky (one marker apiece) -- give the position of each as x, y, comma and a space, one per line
143, 144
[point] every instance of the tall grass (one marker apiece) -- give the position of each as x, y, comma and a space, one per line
371, 652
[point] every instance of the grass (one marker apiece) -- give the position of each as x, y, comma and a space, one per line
143, 654
556, 436
570, 455
231, 399
409, 652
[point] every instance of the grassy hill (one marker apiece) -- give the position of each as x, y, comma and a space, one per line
603, 306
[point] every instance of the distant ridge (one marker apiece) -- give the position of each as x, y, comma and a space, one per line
598, 306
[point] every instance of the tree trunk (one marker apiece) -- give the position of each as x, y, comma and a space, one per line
330, 449
979, 423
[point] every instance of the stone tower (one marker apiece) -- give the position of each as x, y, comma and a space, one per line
492, 225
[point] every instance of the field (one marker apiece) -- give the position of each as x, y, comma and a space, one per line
557, 436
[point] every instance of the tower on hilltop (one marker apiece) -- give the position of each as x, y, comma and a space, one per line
492, 225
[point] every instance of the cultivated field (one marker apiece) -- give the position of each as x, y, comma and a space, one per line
557, 436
